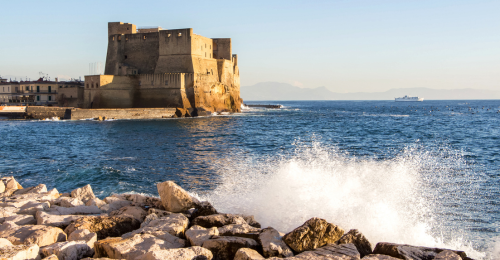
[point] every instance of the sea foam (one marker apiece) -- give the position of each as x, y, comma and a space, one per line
388, 200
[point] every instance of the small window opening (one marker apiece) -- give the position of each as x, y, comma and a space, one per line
166, 82
125, 56
140, 83
113, 38
144, 37
119, 37
96, 85
87, 85
179, 34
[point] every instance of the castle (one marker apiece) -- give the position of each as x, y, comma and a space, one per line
165, 68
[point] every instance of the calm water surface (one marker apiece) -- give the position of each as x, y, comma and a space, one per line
422, 173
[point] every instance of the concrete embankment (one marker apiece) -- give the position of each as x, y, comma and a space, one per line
40, 112
121, 113
39, 223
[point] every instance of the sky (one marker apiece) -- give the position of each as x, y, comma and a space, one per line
345, 46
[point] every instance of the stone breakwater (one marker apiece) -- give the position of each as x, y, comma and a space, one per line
37, 223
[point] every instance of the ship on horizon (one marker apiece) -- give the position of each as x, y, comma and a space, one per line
406, 98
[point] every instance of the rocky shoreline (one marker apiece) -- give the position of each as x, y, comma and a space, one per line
41, 224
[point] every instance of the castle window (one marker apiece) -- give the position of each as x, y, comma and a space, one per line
127, 28
119, 37
166, 82
50, 98
126, 38
96, 85
140, 83
27, 88
144, 37
113, 38
125, 56
179, 34
168, 35
87, 85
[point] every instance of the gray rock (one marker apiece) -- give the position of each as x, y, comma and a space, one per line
197, 235
247, 254
331, 251
218, 220
273, 244
133, 211
70, 250
411, 252
190, 253
225, 248
359, 240
312, 234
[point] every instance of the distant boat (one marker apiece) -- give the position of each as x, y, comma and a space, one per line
409, 99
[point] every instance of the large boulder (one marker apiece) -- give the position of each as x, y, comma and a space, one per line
84, 193
20, 252
312, 234
2, 187
132, 211
218, 220
31, 234
70, 250
197, 235
203, 209
141, 200
55, 220
105, 226
10, 183
411, 252
225, 248
174, 198
359, 240
135, 246
247, 254
273, 244
189, 253
174, 224
84, 235
250, 219
41, 188
239, 230
332, 251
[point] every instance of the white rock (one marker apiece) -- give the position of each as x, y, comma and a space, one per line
95, 202
174, 224
10, 183
114, 204
21, 219
20, 252
68, 202
247, 254
84, 234
54, 219
196, 235
84, 193
36, 234
70, 250
133, 247
4, 242
41, 188
178, 254
174, 198
273, 244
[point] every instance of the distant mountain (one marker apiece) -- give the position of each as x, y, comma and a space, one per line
283, 91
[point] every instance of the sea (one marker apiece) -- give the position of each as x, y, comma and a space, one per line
420, 173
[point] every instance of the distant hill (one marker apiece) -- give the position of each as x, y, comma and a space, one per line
284, 91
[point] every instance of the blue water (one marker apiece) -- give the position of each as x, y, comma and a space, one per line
430, 170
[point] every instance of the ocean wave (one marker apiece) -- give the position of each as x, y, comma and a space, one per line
387, 200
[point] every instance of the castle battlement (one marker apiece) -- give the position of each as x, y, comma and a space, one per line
153, 67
